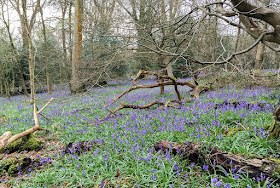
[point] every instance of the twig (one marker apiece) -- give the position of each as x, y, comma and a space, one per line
44, 116
240, 125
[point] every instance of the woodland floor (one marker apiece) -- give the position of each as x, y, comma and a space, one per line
122, 150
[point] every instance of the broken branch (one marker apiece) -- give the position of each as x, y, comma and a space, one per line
133, 107
134, 87
41, 110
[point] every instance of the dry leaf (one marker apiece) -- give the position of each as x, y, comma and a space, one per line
118, 173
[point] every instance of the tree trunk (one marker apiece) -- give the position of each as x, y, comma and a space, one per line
69, 62
7, 89
277, 59
170, 70
13, 81
30, 57
23, 58
1, 88
77, 49
63, 33
22, 80
260, 52
1, 81
49, 86
31, 72
259, 56
65, 64
162, 71
15, 52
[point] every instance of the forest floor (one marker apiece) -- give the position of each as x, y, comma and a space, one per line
121, 152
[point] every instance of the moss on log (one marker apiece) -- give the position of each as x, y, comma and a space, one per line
14, 165
275, 126
210, 155
26, 143
233, 131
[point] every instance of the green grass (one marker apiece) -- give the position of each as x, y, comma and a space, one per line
127, 141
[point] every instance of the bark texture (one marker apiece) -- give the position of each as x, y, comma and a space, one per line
248, 11
76, 84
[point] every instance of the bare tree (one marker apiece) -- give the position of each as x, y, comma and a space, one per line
26, 30
16, 54
30, 49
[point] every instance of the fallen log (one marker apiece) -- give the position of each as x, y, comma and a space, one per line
274, 130
212, 156
243, 104
199, 89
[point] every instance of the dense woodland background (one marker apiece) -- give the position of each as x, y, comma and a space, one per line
120, 37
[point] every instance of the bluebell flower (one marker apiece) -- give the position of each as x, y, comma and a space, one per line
215, 180
154, 177
205, 167
226, 186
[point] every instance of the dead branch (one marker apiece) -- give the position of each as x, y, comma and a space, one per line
44, 106
274, 129
177, 91
134, 87
198, 89
47, 118
7, 137
240, 52
239, 124
210, 155
133, 107
141, 74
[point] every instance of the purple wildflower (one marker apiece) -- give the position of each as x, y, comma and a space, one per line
205, 167
226, 186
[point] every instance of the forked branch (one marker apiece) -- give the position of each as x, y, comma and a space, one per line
7, 137
167, 80
170, 81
